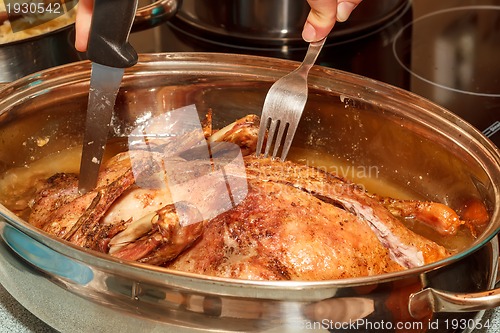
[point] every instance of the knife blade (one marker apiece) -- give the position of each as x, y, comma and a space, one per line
110, 53
104, 84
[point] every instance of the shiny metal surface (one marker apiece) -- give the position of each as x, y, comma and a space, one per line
155, 302
271, 21
27, 56
104, 84
449, 38
284, 105
35, 54
154, 13
413, 143
431, 300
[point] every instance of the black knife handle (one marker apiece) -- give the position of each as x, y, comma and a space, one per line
108, 40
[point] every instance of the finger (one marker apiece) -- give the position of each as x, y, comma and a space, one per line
345, 8
324, 14
320, 20
82, 24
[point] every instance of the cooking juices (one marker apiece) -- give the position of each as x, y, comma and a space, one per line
17, 189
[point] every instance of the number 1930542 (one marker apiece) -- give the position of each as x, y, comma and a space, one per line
36, 8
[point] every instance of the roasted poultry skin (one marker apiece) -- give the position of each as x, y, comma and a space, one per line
287, 221
303, 224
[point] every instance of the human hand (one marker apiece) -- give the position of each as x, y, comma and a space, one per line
321, 19
82, 24
323, 15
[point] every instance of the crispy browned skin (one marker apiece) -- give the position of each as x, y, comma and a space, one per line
279, 233
438, 216
60, 210
294, 222
244, 133
298, 223
166, 239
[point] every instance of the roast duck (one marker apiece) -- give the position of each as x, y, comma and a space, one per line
281, 220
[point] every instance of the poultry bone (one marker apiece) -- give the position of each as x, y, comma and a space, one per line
238, 216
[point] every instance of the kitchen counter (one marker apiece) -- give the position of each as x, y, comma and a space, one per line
14, 318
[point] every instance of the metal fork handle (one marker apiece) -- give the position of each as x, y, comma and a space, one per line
311, 56
292, 118
303, 70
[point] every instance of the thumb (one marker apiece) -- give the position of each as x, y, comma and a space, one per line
323, 15
344, 9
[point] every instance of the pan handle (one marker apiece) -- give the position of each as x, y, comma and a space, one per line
428, 301
425, 302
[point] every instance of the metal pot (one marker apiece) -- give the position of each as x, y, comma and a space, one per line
274, 21
414, 144
30, 55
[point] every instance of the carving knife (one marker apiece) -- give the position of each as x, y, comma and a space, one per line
110, 53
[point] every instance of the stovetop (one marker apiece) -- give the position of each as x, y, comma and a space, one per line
445, 51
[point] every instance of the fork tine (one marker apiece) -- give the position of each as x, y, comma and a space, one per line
262, 135
284, 104
270, 135
277, 142
288, 140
